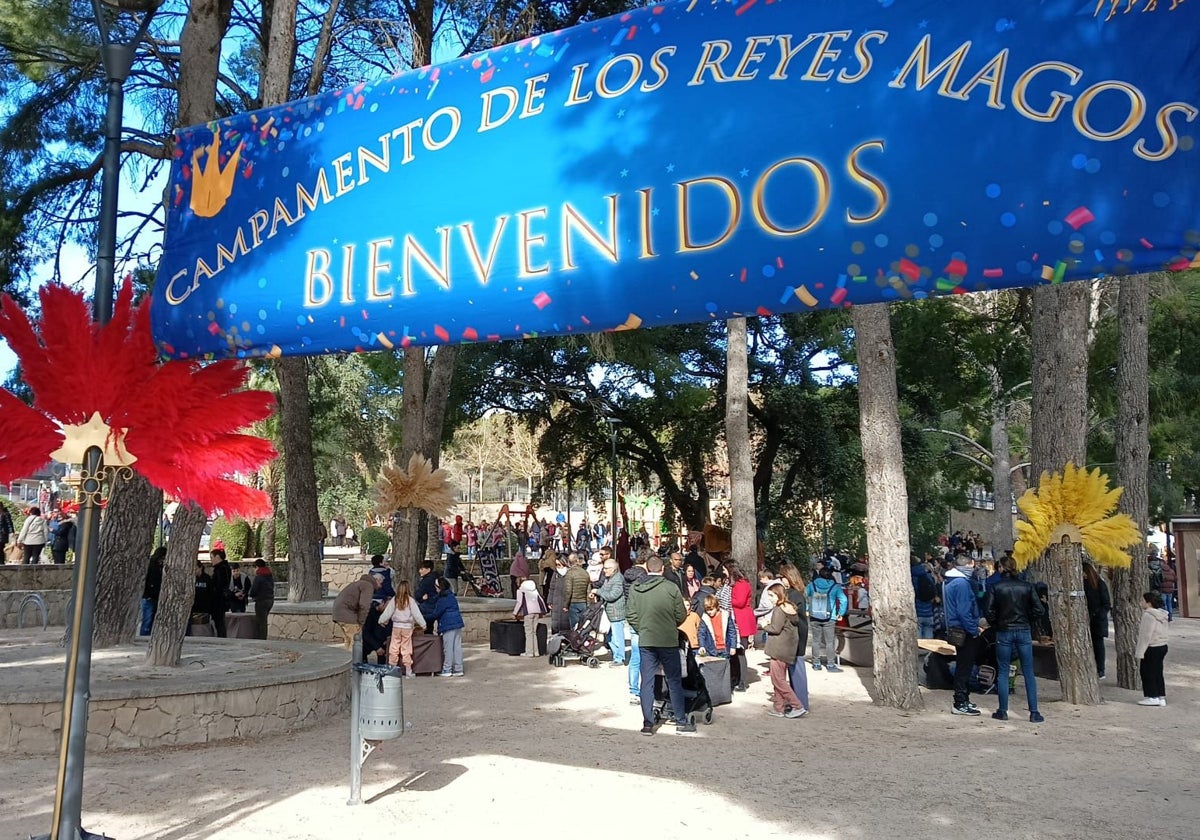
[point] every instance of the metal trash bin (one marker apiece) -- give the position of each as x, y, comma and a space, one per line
381, 702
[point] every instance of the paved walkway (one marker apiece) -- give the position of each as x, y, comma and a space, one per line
517, 749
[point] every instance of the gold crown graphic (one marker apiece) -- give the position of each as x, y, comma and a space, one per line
212, 185
1115, 5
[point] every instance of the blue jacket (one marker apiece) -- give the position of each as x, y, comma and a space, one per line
960, 603
919, 573
708, 644
838, 602
446, 612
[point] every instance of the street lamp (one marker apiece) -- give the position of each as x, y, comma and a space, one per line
115, 19
612, 432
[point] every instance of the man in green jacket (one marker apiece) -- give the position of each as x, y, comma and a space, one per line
655, 609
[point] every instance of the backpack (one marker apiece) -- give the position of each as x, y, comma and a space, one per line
820, 607
1156, 580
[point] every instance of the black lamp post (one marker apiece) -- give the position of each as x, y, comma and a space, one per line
115, 19
612, 432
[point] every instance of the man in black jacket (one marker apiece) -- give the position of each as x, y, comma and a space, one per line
1013, 608
151, 589
221, 577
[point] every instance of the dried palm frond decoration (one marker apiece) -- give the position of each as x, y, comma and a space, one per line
1076, 504
420, 486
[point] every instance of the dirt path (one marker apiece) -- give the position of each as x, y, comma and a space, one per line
518, 748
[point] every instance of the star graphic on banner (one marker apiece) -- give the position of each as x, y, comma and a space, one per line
624, 173
312, 161
744, 172
923, 25
670, 167
620, 113
654, 212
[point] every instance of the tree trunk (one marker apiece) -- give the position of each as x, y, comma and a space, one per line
126, 540
178, 587
271, 477
892, 602
408, 525
1133, 464
1060, 412
1002, 522
744, 538
433, 423
295, 433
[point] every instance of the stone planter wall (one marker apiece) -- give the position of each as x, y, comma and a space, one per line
56, 608
149, 715
35, 577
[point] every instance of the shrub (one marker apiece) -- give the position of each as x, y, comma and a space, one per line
235, 534
281, 538
375, 540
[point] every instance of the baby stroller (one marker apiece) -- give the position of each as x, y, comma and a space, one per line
696, 701
580, 640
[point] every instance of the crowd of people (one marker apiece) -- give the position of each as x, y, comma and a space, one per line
991, 614
56, 530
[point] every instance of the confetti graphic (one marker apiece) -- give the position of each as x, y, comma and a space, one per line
685, 162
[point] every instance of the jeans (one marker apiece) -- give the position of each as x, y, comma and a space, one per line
925, 627
1021, 639
798, 678
149, 609
262, 608
635, 663
668, 658
452, 656
575, 612
1168, 603
616, 641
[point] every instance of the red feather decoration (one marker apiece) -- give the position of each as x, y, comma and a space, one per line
180, 420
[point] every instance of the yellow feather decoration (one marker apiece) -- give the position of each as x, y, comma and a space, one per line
1075, 502
420, 486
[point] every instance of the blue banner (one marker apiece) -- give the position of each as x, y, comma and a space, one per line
689, 161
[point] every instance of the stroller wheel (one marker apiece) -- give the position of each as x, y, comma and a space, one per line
708, 715
593, 662
657, 716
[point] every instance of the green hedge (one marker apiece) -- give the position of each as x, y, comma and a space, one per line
236, 536
375, 540
17, 512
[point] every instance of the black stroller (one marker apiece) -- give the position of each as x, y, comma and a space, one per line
580, 641
696, 701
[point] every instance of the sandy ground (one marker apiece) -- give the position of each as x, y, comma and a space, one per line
517, 748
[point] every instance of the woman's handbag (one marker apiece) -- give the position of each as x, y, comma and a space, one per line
956, 636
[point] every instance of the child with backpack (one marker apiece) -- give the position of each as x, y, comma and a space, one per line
531, 609
827, 603
405, 614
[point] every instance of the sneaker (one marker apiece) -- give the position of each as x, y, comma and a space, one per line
1000, 714
616, 664
740, 687
409, 673
795, 713
1150, 701
774, 713
683, 728
965, 709
816, 666
833, 669
1102, 677
1162, 701
1036, 717
442, 674
647, 730
457, 674
634, 700
971, 705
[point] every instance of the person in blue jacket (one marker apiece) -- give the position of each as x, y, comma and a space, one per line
962, 621
827, 602
450, 626
925, 594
